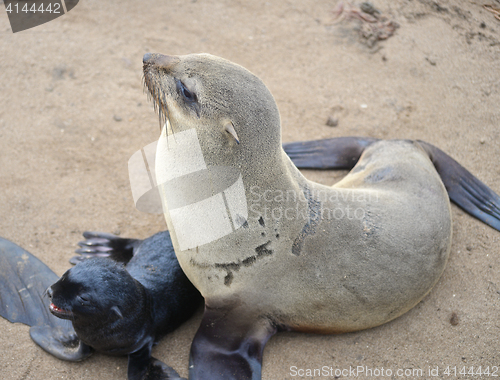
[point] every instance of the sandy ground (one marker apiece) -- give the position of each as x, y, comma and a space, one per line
72, 112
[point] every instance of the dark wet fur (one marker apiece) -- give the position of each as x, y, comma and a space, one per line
117, 309
109, 309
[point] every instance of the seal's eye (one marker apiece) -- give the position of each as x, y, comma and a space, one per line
189, 96
83, 300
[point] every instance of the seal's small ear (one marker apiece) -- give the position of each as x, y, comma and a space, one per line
229, 128
116, 310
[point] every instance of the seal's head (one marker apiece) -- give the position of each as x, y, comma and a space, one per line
108, 308
228, 105
93, 290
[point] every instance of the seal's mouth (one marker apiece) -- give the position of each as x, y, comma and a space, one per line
60, 313
155, 92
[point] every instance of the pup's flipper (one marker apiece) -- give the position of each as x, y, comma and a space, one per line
23, 282
56, 341
103, 244
142, 366
336, 153
465, 190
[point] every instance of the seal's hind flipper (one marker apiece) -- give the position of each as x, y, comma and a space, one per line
61, 343
103, 244
23, 282
335, 153
464, 189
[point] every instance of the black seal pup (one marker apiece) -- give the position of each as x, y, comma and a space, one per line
124, 310
120, 304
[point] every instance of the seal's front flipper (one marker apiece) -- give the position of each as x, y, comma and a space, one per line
61, 343
23, 281
142, 366
464, 189
336, 153
158, 370
102, 244
229, 346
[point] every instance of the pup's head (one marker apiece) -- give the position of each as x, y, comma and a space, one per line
95, 289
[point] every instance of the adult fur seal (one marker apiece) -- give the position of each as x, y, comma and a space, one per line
114, 308
270, 250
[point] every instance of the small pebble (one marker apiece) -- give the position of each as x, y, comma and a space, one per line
483, 140
454, 319
368, 7
58, 72
117, 118
332, 121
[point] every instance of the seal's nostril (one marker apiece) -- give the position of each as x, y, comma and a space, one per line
49, 292
146, 57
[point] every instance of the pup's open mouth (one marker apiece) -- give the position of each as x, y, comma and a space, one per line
60, 313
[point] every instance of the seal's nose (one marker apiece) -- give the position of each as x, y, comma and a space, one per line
50, 292
146, 57
160, 61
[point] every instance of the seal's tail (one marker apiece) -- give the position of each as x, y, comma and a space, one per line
463, 188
